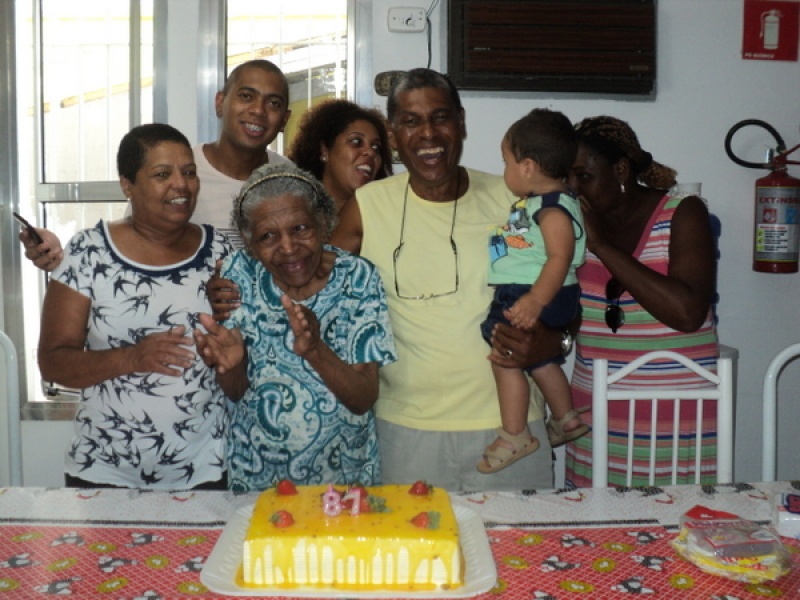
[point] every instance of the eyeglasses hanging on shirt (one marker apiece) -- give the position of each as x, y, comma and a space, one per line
397, 253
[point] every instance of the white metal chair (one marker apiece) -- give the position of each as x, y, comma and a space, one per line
770, 411
604, 392
12, 399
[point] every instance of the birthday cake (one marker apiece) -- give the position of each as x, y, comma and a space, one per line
392, 537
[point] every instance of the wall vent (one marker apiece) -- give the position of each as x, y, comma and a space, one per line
589, 46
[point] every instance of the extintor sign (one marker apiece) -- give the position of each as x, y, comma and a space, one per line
770, 30
777, 233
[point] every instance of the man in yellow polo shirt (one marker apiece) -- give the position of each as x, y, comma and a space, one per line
428, 231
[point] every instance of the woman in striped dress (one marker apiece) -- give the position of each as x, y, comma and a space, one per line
653, 255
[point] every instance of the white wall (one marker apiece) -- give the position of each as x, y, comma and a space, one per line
703, 89
43, 446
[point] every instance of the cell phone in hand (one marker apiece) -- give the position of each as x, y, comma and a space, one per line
31, 231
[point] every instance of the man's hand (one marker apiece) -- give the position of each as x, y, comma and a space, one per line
223, 295
514, 348
45, 256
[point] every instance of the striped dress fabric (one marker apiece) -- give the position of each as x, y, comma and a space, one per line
640, 334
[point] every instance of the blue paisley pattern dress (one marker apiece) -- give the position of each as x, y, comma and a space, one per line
288, 425
145, 430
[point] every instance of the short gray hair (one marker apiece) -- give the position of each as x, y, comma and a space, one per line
420, 78
273, 180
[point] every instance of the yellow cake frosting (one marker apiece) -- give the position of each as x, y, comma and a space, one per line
367, 551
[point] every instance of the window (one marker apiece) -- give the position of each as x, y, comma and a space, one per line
84, 77
96, 81
88, 71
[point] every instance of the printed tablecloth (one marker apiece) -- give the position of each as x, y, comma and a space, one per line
598, 544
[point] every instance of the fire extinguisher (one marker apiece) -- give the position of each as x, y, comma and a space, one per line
776, 239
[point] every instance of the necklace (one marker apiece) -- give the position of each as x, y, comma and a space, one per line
453, 246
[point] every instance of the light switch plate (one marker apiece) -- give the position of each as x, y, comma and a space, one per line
406, 19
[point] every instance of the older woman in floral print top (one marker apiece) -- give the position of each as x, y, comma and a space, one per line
300, 355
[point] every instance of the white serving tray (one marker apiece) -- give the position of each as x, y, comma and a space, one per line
480, 573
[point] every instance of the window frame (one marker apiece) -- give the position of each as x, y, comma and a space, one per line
57, 401
209, 74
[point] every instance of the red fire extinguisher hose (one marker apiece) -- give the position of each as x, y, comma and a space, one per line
776, 238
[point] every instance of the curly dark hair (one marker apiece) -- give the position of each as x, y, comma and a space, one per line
323, 124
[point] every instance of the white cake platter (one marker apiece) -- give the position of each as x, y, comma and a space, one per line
480, 573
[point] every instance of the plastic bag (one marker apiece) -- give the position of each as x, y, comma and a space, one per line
724, 544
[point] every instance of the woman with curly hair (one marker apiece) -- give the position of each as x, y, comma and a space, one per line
344, 146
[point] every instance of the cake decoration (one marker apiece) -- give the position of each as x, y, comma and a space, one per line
286, 488
420, 488
282, 519
426, 520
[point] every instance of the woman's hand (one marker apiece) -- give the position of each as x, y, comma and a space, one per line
591, 225
45, 256
223, 295
166, 352
220, 348
355, 386
305, 327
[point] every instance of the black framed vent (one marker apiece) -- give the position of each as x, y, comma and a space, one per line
590, 46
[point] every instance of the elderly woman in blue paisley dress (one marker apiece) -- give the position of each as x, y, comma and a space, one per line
300, 355
117, 322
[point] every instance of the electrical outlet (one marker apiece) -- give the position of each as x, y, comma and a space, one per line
406, 19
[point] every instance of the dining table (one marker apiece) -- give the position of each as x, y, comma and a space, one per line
608, 543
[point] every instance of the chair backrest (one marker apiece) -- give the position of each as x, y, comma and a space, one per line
720, 390
12, 398
770, 411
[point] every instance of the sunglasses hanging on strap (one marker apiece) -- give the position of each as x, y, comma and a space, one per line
615, 316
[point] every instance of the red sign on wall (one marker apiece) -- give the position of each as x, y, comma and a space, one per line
770, 30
